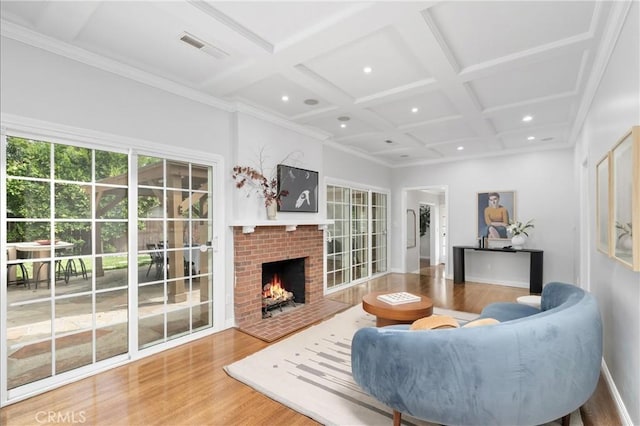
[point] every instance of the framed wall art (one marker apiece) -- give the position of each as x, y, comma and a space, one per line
603, 204
495, 210
301, 187
624, 223
411, 228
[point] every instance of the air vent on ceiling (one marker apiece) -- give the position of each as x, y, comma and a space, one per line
203, 46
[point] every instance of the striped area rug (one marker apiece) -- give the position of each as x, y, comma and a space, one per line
310, 372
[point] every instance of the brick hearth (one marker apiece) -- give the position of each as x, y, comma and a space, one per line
271, 244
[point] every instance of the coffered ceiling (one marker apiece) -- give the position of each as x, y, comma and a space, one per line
400, 82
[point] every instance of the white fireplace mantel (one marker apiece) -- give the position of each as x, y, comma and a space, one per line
249, 226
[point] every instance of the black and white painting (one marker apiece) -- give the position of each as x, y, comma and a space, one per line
301, 187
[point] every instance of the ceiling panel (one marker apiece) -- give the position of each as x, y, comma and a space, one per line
334, 126
270, 91
278, 21
543, 113
410, 155
557, 75
443, 132
471, 148
478, 31
418, 108
378, 145
543, 136
384, 51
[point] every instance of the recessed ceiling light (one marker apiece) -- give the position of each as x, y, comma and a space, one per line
531, 138
527, 118
311, 101
460, 148
367, 70
285, 98
343, 125
414, 110
344, 118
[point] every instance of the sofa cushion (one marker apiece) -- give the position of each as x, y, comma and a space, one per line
507, 311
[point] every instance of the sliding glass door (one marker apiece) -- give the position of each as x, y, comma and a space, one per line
174, 234
358, 246
85, 235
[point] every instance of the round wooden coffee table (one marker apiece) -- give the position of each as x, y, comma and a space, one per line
405, 313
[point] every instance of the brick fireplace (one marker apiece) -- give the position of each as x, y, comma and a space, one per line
272, 244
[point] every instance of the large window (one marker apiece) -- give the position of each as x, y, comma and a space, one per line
358, 245
84, 236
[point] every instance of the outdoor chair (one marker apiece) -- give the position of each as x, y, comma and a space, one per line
157, 259
12, 270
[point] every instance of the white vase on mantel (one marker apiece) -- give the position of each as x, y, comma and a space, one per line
272, 211
517, 241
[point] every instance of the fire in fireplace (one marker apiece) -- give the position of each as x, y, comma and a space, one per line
283, 284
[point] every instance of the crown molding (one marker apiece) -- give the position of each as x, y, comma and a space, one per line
40, 41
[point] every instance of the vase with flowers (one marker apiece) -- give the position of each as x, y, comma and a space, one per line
519, 234
254, 180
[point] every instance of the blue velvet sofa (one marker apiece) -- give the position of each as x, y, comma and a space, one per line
535, 366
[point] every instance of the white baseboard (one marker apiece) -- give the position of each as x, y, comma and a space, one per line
617, 399
499, 282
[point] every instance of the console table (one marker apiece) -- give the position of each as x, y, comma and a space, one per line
535, 268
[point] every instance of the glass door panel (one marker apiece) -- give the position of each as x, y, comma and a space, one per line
378, 232
359, 234
174, 231
358, 246
338, 249
67, 230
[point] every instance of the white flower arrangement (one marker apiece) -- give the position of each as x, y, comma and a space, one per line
517, 228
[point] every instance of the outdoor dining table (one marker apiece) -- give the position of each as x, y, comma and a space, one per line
41, 249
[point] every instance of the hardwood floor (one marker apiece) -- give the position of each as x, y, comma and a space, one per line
187, 385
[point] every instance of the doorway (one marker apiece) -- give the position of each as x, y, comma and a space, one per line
433, 243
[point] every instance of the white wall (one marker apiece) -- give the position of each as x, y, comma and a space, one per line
615, 108
545, 192
278, 145
347, 167
41, 85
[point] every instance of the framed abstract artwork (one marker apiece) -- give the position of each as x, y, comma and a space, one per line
301, 187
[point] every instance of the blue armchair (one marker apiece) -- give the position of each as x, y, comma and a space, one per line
535, 366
